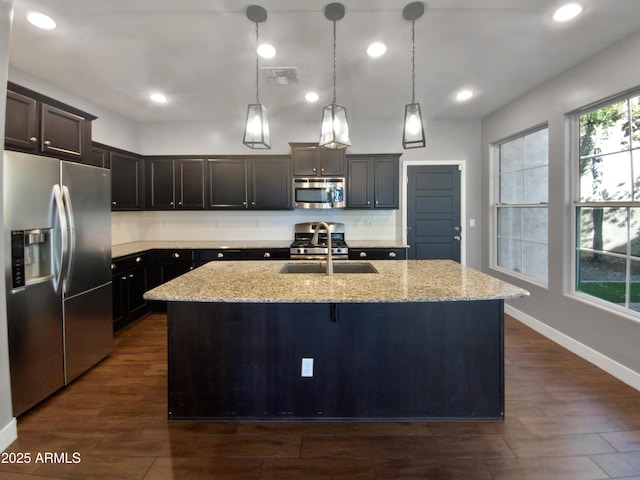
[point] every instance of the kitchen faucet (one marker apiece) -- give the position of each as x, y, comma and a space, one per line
314, 241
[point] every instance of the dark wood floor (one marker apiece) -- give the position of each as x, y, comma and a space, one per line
566, 420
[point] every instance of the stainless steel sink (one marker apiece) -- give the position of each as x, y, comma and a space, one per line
320, 268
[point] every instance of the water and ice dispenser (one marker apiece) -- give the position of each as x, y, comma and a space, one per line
31, 260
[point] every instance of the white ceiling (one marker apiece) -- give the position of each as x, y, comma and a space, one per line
201, 53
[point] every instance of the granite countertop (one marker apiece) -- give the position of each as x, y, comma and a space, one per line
131, 248
396, 281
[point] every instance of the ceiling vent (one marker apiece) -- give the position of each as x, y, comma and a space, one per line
280, 75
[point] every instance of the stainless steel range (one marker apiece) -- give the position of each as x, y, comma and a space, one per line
303, 249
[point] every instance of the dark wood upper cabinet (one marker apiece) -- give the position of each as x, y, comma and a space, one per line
270, 183
227, 184
39, 124
373, 181
310, 160
176, 184
127, 186
100, 157
21, 130
259, 183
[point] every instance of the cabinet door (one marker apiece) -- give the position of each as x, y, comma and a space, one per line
126, 182
189, 185
330, 161
137, 285
99, 157
62, 133
226, 184
21, 127
304, 161
119, 298
270, 184
386, 182
359, 185
160, 184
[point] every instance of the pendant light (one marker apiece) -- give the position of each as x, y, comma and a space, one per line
335, 129
256, 130
413, 132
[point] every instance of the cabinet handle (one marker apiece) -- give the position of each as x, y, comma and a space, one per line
363, 254
138, 259
175, 255
171, 203
392, 254
179, 204
457, 237
123, 278
131, 275
368, 202
113, 266
267, 255
33, 139
114, 203
47, 142
253, 203
220, 255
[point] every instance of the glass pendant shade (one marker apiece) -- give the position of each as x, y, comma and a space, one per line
413, 134
335, 129
256, 131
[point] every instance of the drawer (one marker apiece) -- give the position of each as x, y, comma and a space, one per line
378, 253
216, 254
266, 254
174, 255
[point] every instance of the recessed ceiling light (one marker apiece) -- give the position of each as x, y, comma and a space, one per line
266, 51
464, 95
41, 20
312, 97
567, 12
158, 97
376, 49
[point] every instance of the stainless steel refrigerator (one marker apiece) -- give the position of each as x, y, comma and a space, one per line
57, 229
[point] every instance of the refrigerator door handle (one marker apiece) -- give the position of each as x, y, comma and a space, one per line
66, 196
60, 263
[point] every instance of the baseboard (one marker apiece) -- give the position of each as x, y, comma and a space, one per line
8, 434
610, 366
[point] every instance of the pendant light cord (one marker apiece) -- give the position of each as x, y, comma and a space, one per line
334, 61
413, 61
257, 65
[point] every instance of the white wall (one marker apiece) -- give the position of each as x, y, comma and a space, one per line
610, 336
8, 431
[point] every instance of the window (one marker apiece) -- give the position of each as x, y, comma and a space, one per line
608, 206
521, 206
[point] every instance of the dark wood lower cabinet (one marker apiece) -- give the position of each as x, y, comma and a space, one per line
438, 360
130, 281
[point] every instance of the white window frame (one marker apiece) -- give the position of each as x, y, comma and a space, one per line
496, 205
574, 154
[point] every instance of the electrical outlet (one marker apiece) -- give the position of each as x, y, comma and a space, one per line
307, 367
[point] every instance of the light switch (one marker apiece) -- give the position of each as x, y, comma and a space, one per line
307, 367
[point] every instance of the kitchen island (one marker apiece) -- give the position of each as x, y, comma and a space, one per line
419, 339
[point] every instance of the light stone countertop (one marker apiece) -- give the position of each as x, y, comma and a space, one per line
131, 248
396, 281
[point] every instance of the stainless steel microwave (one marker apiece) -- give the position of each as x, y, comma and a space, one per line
319, 192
